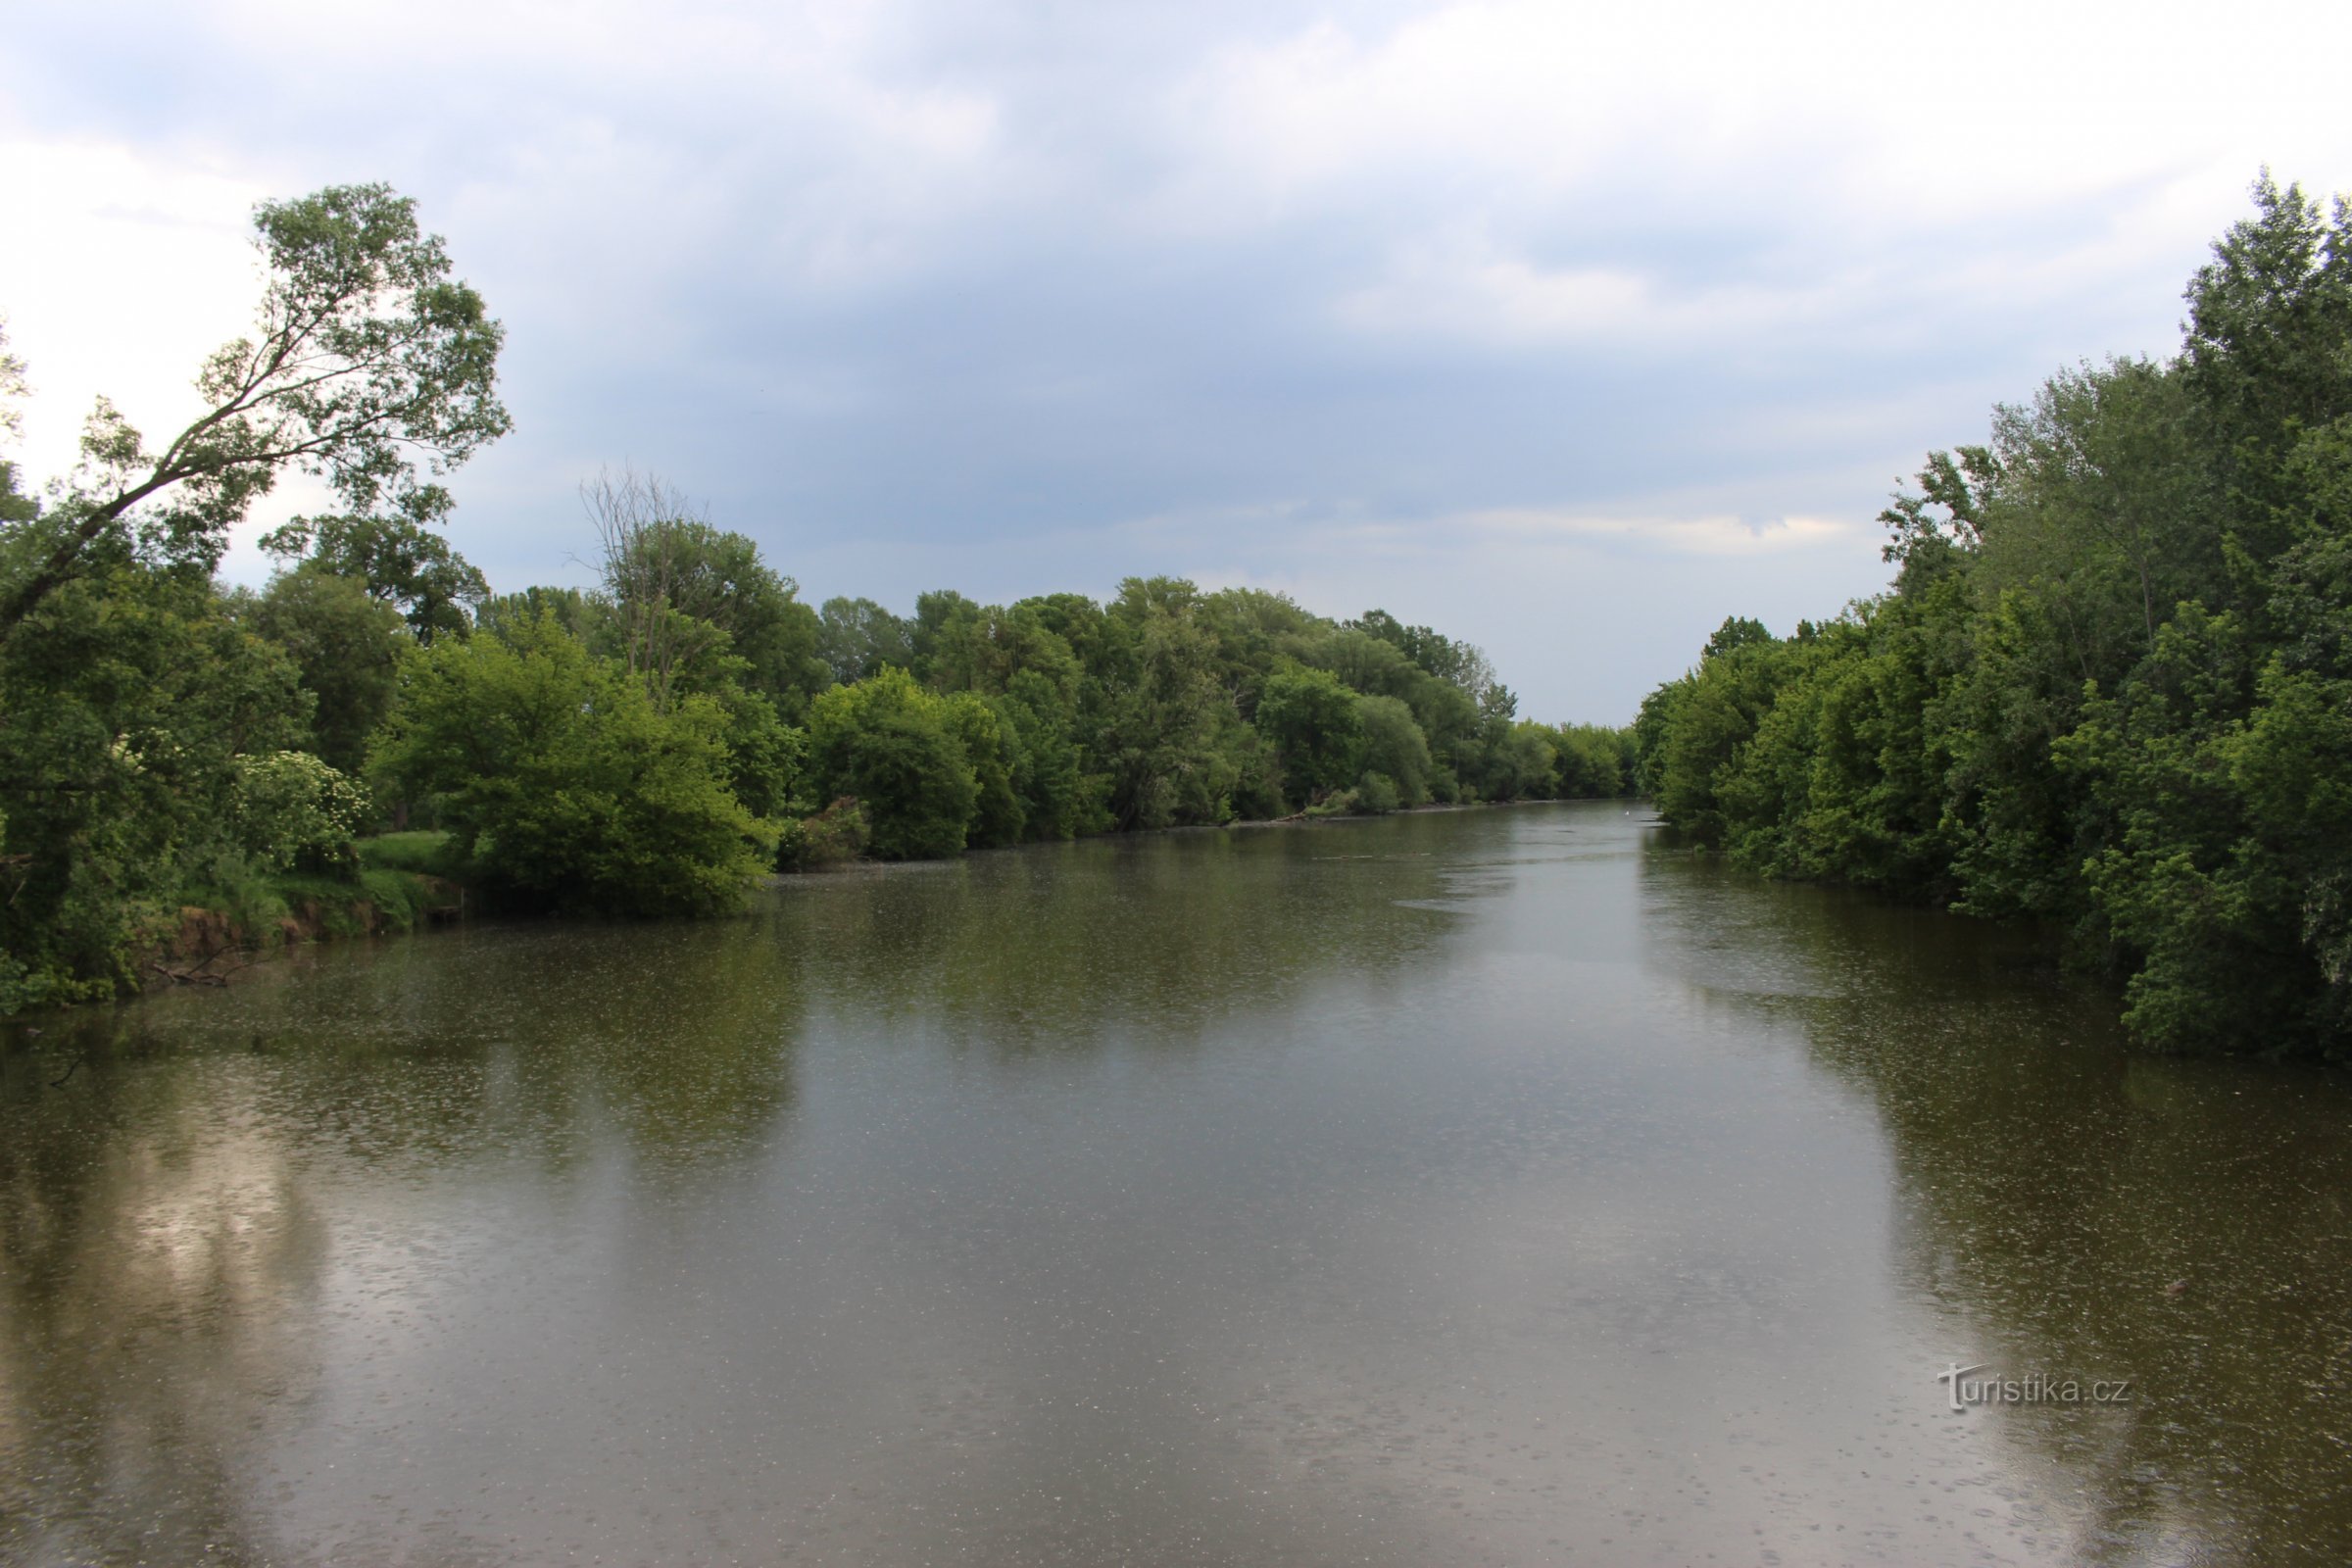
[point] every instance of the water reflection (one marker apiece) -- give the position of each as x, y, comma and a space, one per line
2063, 1206
1463, 1187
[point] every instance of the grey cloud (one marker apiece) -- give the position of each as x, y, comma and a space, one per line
972, 295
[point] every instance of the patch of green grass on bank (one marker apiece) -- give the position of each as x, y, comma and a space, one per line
376, 900
266, 911
423, 850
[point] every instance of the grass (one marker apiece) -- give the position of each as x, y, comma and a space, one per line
422, 852
395, 884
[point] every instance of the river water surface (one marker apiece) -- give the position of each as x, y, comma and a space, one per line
1490, 1187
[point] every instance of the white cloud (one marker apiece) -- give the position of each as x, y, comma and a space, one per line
130, 268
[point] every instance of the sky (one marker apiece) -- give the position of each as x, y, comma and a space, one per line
1567, 329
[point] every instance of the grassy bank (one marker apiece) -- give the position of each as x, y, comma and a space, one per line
396, 887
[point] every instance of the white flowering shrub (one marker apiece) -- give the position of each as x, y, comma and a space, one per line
293, 810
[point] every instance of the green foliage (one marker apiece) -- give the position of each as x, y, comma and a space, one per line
1393, 749
425, 851
1523, 763
347, 647
1312, 721
998, 814
693, 606
1595, 762
898, 751
1377, 794
584, 615
834, 836
124, 709
858, 638
291, 810
398, 560
366, 354
2110, 687
565, 786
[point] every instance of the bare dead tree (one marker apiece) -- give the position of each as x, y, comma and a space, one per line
647, 532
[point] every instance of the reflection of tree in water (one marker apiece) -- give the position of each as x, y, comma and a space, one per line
163, 1238
1158, 937
179, 1218
2056, 1192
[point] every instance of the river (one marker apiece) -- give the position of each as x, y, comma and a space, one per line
1484, 1187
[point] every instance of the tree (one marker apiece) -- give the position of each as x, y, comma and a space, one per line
896, 749
122, 715
348, 647
1314, 723
1162, 706
684, 590
2110, 688
397, 560
561, 783
366, 351
858, 638
1394, 747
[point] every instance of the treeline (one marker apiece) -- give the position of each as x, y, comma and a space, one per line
654, 744
2112, 684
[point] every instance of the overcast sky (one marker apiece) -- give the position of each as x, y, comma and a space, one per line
1568, 330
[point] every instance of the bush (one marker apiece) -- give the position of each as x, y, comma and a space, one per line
1376, 794
294, 812
895, 747
834, 836
561, 783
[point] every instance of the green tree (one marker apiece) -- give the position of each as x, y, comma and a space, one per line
896, 749
1162, 711
1393, 746
399, 560
562, 784
1314, 725
124, 712
365, 353
858, 638
347, 646
685, 593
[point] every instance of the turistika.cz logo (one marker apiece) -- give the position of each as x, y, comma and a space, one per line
2034, 1388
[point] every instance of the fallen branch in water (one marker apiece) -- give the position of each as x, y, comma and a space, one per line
202, 974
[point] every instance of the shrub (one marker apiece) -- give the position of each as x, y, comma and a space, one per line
834, 836
293, 812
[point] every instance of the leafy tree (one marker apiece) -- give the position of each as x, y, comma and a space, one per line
684, 592
858, 638
1315, 726
347, 646
123, 709
896, 749
2263, 356
2109, 686
1524, 766
565, 786
584, 615
1058, 798
1393, 747
1162, 711
992, 749
366, 351
397, 560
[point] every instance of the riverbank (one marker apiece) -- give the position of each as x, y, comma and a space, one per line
403, 884
396, 888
